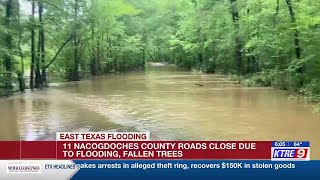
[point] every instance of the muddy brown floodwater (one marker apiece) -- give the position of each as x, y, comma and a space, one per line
164, 101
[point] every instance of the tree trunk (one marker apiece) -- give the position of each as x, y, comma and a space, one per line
93, 58
37, 70
42, 46
93, 63
143, 54
238, 48
75, 73
251, 61
98, 57
296, 32
301, 69
152, 58
59, 50
32, 47
277, 12
22, 85
40, 64
8, 40
200, 60
19, 41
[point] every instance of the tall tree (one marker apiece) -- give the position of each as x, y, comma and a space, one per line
20, 73
38, 77
8, 60
75, 72
238, 45
42, 46
33, 53
296, 34
296, 31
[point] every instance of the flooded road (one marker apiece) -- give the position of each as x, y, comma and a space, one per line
165, 102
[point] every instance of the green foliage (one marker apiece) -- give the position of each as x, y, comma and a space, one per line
312, 91
263, 79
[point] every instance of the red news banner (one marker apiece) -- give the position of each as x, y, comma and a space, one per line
109, 145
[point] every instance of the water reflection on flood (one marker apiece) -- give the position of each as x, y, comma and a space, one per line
163, 101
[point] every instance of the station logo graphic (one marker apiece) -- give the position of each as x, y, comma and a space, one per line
20, 167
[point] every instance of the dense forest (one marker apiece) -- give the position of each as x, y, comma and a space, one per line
258, 42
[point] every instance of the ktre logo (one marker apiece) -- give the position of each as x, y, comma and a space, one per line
290, 153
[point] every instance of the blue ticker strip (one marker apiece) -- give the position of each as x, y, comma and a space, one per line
290, 144
199, 169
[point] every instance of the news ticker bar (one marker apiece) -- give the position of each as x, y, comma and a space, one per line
146, 169
189, 169
264, 150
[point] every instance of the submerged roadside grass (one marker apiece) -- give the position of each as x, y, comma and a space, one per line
308, 93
